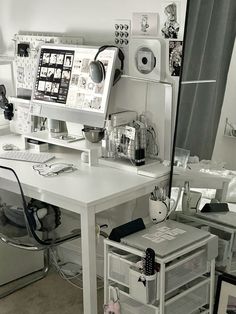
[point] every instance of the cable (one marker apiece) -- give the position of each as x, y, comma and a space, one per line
70, 278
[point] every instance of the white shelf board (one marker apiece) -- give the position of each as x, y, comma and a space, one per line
153, 168
93, 149
44, 136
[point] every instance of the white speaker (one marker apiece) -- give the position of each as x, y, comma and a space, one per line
147, 58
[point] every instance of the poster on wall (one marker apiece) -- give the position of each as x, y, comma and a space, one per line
175, 57
145, 24
170, 16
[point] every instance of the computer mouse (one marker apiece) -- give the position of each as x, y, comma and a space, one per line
57, 168
97, 71
9, 147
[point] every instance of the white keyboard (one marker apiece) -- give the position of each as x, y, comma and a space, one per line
27, 156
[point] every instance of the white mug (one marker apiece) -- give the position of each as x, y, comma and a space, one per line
160, 210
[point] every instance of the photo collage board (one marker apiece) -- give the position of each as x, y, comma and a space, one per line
53, 75
63, 78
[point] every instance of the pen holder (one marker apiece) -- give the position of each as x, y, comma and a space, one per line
141, 287
160, 210
157, 210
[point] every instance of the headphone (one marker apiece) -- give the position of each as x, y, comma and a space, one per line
97, 70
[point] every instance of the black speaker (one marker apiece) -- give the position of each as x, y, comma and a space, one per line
126, 229
97, 70
215, 208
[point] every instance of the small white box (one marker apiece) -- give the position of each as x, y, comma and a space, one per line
142, 287
40, 147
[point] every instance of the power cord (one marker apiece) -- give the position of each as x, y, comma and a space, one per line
78, 276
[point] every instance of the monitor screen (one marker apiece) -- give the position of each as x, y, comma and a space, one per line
63, 88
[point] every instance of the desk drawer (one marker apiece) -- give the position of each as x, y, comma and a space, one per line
189, 300
185, 302
131, 306
118, 267
185, 270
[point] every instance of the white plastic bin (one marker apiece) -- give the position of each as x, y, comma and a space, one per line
131, 306
189, 301
119, 267
185, 270
141, 287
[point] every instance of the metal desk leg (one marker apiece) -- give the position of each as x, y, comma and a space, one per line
162, 288
212, 286
105, 273
88, 242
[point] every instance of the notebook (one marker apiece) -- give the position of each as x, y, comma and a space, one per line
165, 238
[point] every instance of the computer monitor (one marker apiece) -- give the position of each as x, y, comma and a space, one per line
63, 89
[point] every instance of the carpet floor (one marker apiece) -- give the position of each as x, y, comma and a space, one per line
51, 295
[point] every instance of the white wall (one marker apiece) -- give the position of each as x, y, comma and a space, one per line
94, 20
225, 148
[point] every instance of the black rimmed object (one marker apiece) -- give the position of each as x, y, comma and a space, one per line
225, 298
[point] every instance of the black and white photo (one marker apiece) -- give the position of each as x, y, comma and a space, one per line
175, 57
171, 26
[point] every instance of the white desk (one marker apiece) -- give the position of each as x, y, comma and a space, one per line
202, 180
87, 191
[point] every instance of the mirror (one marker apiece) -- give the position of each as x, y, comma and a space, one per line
203, 163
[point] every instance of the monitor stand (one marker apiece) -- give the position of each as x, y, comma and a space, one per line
65, 131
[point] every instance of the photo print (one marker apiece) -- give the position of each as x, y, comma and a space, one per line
82, 82
75, 79
66, 75
55, 88
41, 86
175, 57
20, 75
46, 58
50, 73
60, 59
48, 87
43, 72
68, 60
170, 25
145, 24
57, 73
53, 58
85, 65
80, 99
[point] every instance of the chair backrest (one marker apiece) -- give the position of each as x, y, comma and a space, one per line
27, 224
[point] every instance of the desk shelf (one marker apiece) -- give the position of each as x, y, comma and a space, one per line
93, 149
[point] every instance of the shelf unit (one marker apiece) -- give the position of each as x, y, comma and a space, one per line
184, 284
